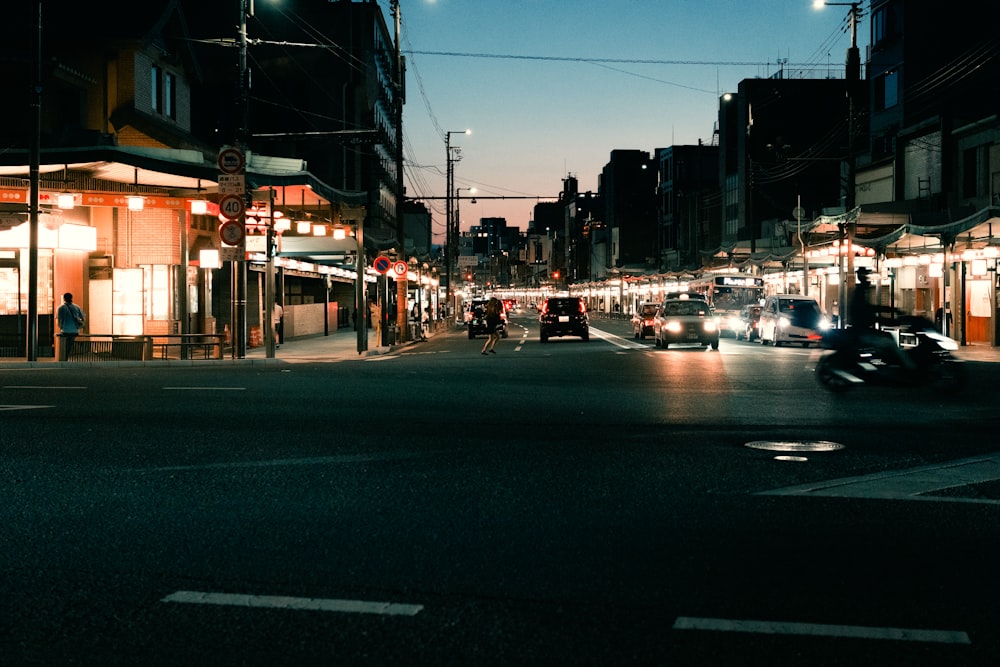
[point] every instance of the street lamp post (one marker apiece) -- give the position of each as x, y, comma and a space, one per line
451, 238
852, 76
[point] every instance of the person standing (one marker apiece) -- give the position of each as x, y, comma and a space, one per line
71, 320
276, 314
493, 322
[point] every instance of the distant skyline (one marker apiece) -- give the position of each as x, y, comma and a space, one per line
549, 88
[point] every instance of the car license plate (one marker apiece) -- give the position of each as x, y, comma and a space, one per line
564, 318
692, 336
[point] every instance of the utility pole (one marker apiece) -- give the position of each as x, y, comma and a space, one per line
402, 285
33, 175
242, 133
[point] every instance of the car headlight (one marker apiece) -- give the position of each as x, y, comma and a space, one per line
674, 326
710, 325
783, 322
735, 323
824, 324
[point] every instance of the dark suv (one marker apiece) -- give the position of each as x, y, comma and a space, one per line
477, 319
563, 316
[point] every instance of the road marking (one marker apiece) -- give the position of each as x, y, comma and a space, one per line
617, 341
205, 388
38, 386
24, 407
315, 460
295, 603
911, 484
820, 629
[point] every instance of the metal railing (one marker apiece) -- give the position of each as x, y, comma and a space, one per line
107, 347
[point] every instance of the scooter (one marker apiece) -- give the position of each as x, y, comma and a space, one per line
850, 360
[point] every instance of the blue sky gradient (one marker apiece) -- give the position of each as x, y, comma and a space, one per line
550, 87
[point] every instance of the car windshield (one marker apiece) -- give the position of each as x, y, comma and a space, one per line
647, 311
798, 306
563, 306
685, 308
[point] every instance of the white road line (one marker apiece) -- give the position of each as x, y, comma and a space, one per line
24, 407
295, 603
820, 629
38, 386
617, 341
315, 460
911, 484
205, 388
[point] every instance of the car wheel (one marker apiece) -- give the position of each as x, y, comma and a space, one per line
472, 334
543, 338
715, 344
664, 344
586, 336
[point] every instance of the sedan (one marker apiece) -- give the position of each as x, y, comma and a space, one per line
642, 321
685, 321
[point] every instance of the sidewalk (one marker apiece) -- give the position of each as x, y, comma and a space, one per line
338, 346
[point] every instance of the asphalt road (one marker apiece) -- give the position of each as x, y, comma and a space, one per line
567, 503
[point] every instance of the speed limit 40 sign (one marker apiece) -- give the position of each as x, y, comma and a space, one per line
232, 207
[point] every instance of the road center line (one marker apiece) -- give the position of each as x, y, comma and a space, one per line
205, 388
39, 386
295, 603
850, 631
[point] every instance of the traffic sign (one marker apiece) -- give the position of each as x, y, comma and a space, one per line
232, 184
400, 269
232, 207
231, 161
381, 264
231, 232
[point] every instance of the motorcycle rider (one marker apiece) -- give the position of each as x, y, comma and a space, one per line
863, 318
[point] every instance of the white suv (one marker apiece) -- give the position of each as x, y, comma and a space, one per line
792, 318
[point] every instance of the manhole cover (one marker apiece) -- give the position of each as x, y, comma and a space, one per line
795, 445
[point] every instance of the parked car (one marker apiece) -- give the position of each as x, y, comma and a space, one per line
642, 320
685, 321
477, 319
563, 316
748, 325
792, 318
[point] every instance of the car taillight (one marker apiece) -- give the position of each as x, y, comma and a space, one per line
583, 307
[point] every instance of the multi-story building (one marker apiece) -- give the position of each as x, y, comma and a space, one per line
628, 186
688, 175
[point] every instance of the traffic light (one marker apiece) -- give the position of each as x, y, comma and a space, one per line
555, 275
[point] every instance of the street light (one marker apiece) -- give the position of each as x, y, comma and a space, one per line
744, 113
852, 76
450, 229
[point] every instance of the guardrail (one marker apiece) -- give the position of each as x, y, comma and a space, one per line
188, 346
115, 347
106, 347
